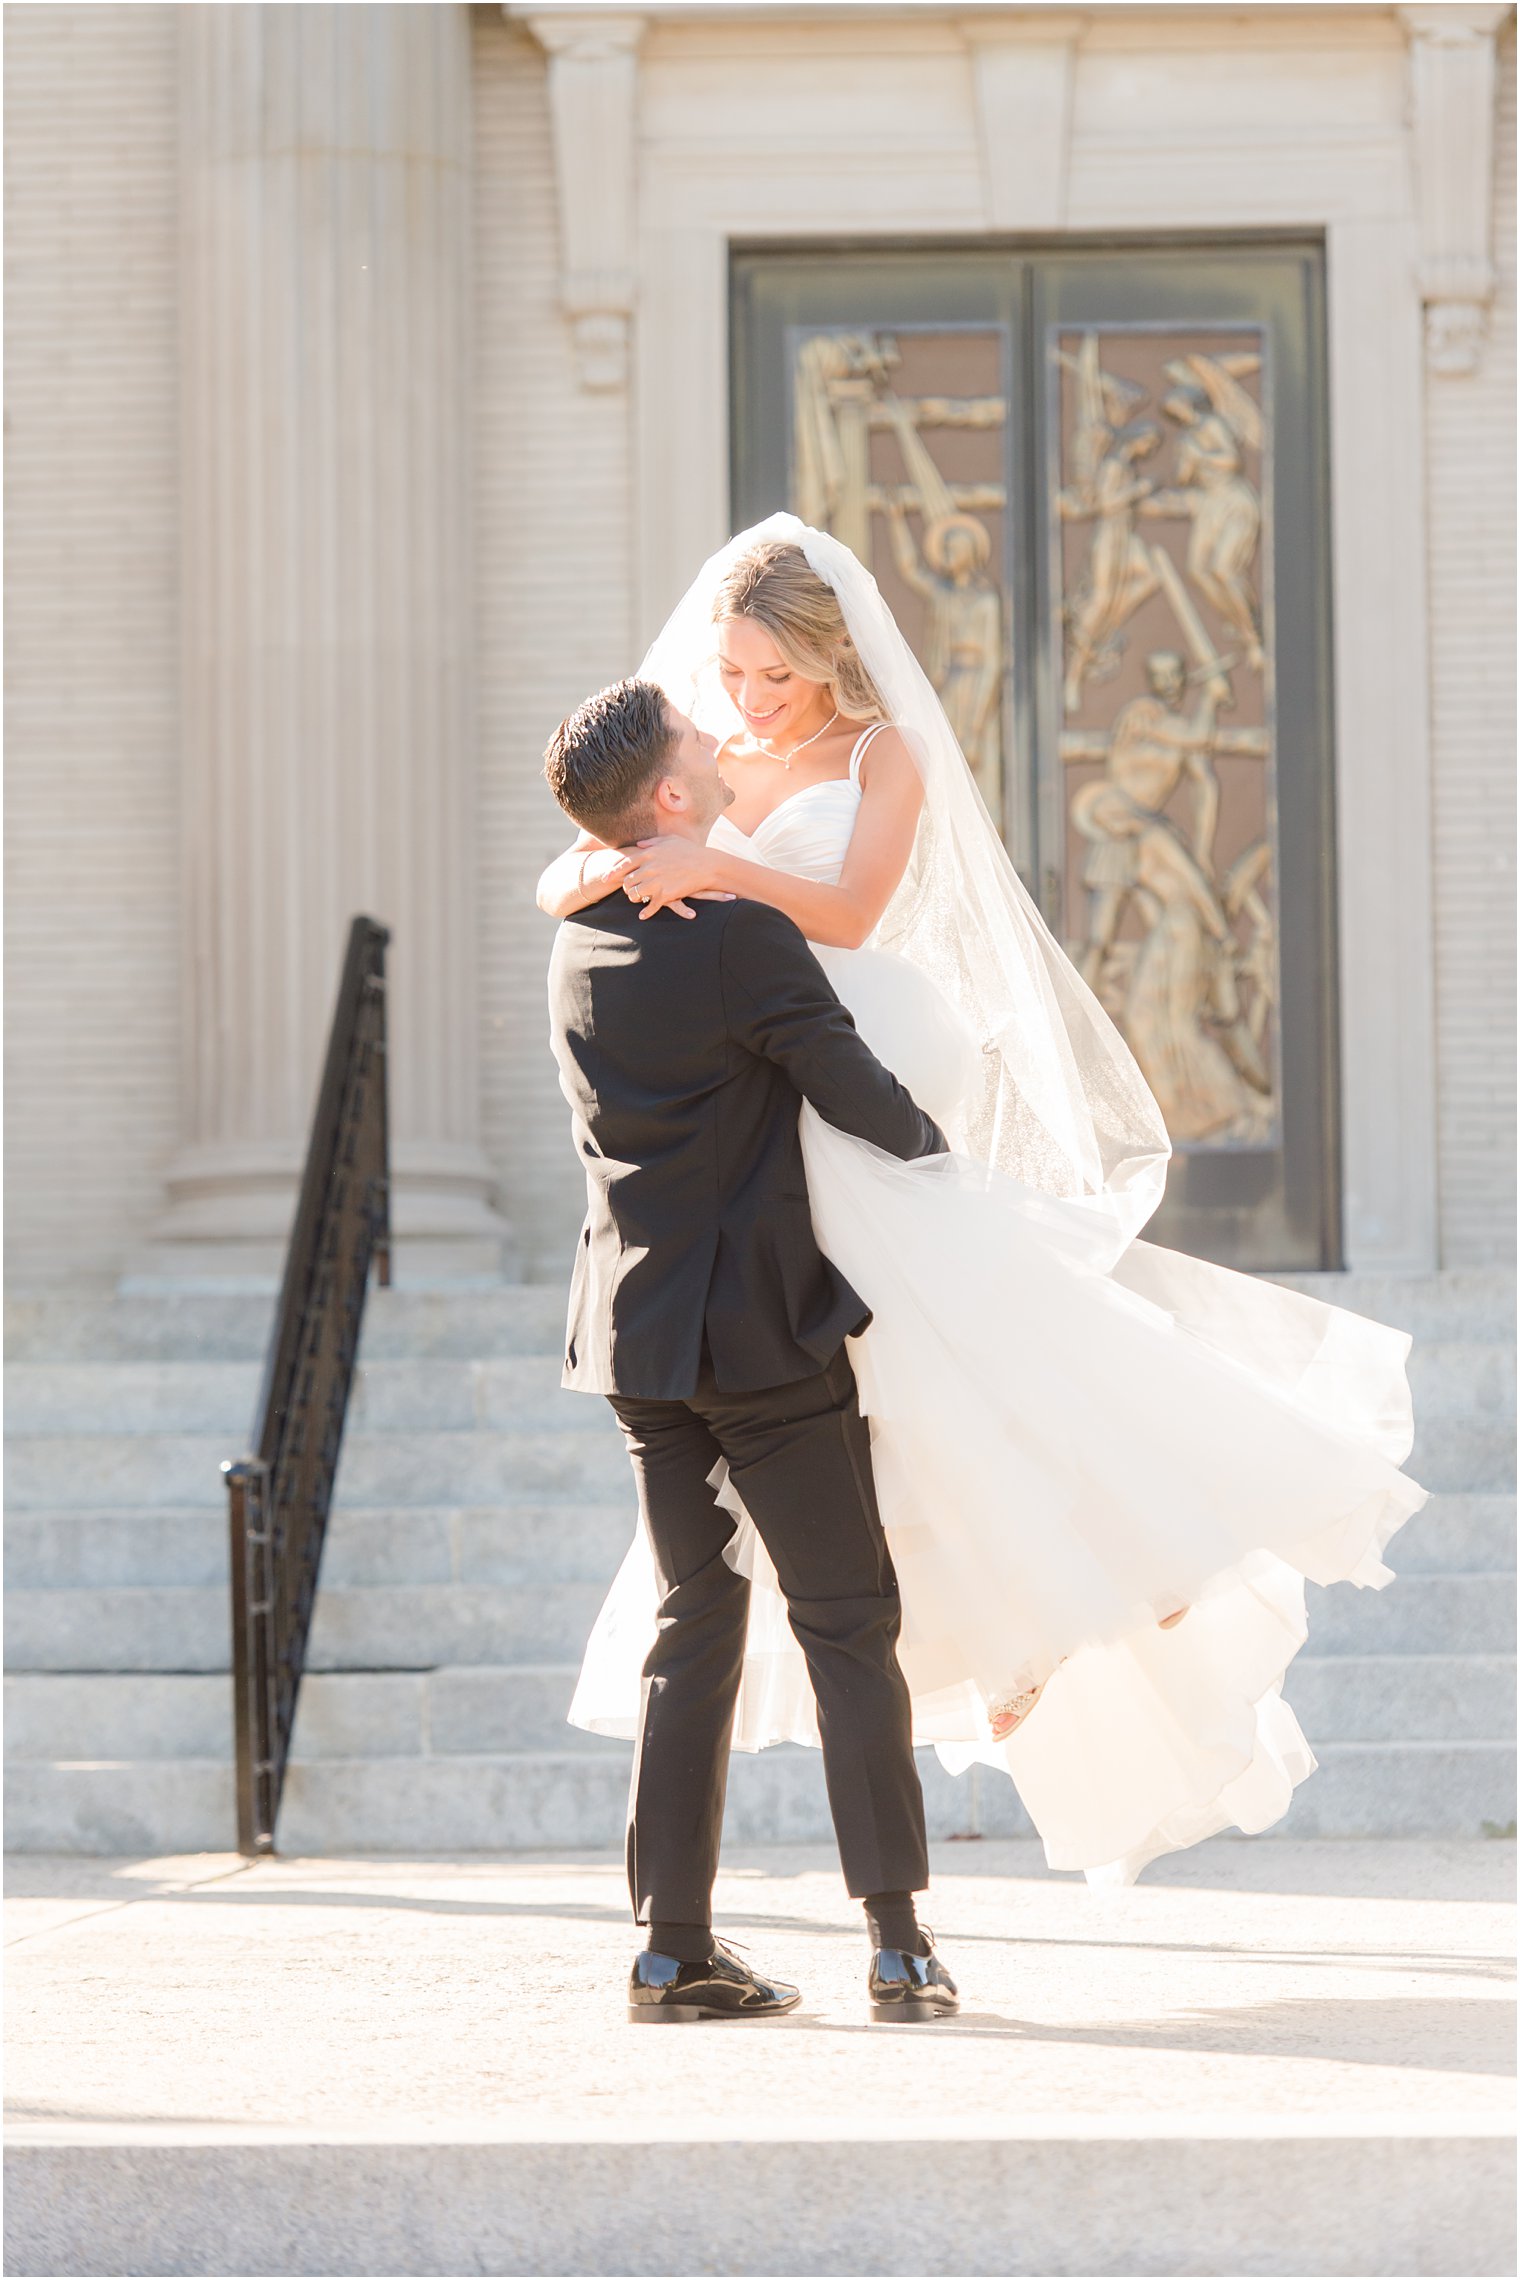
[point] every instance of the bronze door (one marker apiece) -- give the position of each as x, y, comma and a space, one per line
1091, 482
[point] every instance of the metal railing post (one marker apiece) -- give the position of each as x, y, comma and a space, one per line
247, 1493
280, 1494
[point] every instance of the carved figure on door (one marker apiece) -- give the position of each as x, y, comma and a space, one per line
1219, 421
963, 633
1179, 990
836, 382
1119, 574
1107, 448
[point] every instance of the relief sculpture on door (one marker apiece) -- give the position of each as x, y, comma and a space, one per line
926, 521
1158, 447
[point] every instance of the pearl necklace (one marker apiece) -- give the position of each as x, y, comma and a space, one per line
786, 758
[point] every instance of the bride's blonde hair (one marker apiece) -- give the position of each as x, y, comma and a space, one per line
778, 587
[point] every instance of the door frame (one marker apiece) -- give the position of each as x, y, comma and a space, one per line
1273, 1206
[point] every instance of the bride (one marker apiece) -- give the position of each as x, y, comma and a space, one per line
1104, 1469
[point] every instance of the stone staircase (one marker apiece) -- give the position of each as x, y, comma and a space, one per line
480, 1514
1408, 1694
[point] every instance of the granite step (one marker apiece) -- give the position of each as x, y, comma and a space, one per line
1406, 1789
480, 1516
1402, 1697
416, 1626
1416, 1615
1093, 2195
83, 1472
100, 1716
778, 1797
1465, 1456
470, 1803
515, 1318
1463, 1303
418, 1393
524, 1544
379, 1627
578, 1797
498, 1710
1451, 1379
83, 1716
1457, 1302
1457, 1534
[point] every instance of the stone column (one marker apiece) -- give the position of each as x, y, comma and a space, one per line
329, 752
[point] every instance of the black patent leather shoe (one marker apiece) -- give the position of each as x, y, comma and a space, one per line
907, 1986
662, 1991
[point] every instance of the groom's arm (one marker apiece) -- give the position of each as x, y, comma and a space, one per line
781, 1005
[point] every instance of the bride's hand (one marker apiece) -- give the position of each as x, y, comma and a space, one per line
671, 874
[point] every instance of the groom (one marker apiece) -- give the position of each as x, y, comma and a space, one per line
703, 1309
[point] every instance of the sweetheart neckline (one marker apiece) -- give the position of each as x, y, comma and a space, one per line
824, 784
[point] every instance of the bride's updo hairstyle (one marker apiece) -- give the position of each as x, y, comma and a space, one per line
777, 586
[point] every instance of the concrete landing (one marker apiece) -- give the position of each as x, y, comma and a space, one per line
1269, 2059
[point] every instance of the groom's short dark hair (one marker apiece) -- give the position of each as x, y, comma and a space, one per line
604, 761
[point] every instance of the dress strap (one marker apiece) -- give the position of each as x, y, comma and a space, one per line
862, 744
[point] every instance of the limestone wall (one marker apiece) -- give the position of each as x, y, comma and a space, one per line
1470, 442
552, 516
91, 664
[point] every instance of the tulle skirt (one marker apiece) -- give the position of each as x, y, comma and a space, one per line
1066, 1451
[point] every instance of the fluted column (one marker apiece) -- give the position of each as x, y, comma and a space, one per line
327, 699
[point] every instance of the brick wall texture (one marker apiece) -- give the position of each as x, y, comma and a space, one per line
91, 649
91, 565
1470, 447
552, 577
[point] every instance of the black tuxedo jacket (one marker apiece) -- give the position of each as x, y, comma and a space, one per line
685, 1048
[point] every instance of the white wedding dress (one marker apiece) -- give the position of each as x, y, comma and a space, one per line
1067, 1448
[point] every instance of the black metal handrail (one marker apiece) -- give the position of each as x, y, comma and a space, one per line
279, 1496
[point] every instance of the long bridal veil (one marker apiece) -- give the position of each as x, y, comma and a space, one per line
1074, 1431
1061, 1103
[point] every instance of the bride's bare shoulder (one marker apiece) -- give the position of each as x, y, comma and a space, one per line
887, 760
883, 742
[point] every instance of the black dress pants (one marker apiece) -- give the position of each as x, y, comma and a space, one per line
800, 1457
